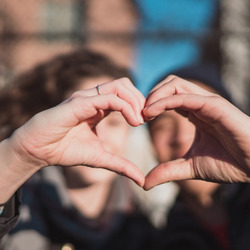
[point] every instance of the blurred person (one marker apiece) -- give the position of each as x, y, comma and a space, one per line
29, 148
219, 152
175, 93
203, 105
77, 207
172, 135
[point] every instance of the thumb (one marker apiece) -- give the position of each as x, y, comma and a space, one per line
169, 171
123, 167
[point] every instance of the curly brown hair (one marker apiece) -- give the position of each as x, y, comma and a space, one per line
49, 83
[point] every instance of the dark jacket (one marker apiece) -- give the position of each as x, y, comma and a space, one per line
10, 213
49, 220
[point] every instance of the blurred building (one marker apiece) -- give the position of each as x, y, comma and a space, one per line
34, 31
235, 46
151, 37
175, 34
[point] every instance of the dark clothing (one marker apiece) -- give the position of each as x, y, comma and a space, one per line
10, 214
239, 212
206, 73
184, 231
49, 220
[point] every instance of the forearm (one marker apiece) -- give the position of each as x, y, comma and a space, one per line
14, 171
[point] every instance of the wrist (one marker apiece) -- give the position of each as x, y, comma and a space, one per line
15, 169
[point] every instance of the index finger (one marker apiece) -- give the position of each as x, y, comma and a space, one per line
124, 89
206, 107
174, 85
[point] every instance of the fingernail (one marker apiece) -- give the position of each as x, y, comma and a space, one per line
141, 120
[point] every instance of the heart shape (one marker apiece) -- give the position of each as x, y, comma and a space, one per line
65, 135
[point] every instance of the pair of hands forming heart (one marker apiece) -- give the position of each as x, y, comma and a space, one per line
65, 135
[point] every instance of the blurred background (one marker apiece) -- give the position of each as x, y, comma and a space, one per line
151, 37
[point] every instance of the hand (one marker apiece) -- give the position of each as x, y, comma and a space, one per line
221, 149
65, 135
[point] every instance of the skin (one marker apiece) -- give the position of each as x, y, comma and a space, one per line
220, 151
66, 135
90, 184
172, 136
112, 131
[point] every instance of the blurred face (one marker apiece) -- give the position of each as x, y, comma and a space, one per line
112, 132
172, 135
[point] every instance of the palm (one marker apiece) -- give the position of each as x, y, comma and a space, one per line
70, 147
210, 161
71, 138
65, 135
65, 140
220, 150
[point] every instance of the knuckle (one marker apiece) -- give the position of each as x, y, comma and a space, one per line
171, 78
125, 80
218, 99
174, 78
75, 95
